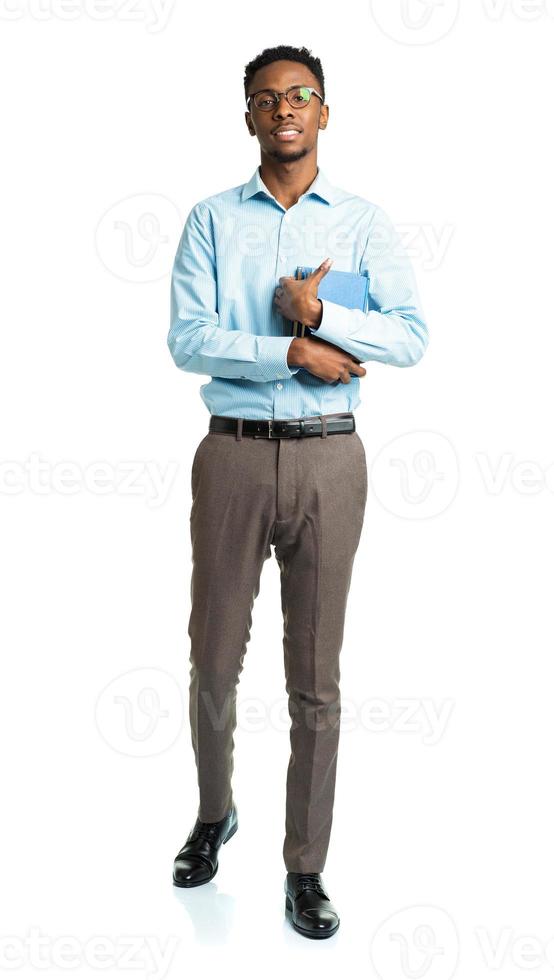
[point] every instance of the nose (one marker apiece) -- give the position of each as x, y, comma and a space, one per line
282, 108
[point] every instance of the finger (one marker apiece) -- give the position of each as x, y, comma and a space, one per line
322, 270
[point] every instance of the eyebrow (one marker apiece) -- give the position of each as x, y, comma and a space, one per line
272, 88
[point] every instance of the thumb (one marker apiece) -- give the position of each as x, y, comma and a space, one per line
322, 270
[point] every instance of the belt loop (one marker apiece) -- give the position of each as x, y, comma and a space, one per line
239, 429
323, 426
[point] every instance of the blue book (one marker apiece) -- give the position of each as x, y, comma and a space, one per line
348, 289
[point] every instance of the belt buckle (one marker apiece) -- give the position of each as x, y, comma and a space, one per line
280, 431
284, 434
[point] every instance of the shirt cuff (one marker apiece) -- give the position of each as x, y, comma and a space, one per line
290, 370
335, 323
274, 360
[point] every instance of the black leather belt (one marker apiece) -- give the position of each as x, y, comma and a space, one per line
312, 425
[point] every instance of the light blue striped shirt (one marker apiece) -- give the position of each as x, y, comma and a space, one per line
234, 247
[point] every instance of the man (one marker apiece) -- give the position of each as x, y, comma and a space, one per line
281, 464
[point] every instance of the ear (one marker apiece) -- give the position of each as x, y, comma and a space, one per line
249, 123
323, 117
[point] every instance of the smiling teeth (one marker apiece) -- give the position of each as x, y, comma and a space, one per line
285, 132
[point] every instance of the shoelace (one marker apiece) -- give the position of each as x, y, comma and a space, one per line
207, 831
310, 881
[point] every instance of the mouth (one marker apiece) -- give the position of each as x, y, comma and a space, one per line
284, 135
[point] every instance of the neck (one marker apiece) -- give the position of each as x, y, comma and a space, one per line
287, 181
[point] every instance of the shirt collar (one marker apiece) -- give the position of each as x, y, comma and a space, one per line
320, 186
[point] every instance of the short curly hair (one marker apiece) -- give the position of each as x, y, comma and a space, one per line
284, 52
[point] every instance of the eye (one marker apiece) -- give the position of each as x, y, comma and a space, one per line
264, 100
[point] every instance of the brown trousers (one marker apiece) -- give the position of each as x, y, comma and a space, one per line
306, 497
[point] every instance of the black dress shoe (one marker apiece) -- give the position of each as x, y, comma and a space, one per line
196, 862
312, 912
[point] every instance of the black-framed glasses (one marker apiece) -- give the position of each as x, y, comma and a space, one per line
297, 96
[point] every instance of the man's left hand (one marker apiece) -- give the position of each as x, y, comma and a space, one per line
296, 299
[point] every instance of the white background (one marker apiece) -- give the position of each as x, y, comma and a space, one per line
117, 118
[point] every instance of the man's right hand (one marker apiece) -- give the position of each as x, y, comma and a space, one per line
323, 359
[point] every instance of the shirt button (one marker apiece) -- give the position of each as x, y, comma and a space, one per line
282, 258
279, 385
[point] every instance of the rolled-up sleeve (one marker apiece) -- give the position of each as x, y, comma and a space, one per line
393, 330
198, 342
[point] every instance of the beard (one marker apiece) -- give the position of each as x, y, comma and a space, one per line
283, 156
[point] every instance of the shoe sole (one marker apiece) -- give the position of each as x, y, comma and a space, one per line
195, 884
309, 933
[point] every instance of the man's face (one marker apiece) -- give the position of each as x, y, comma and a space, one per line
279, 76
